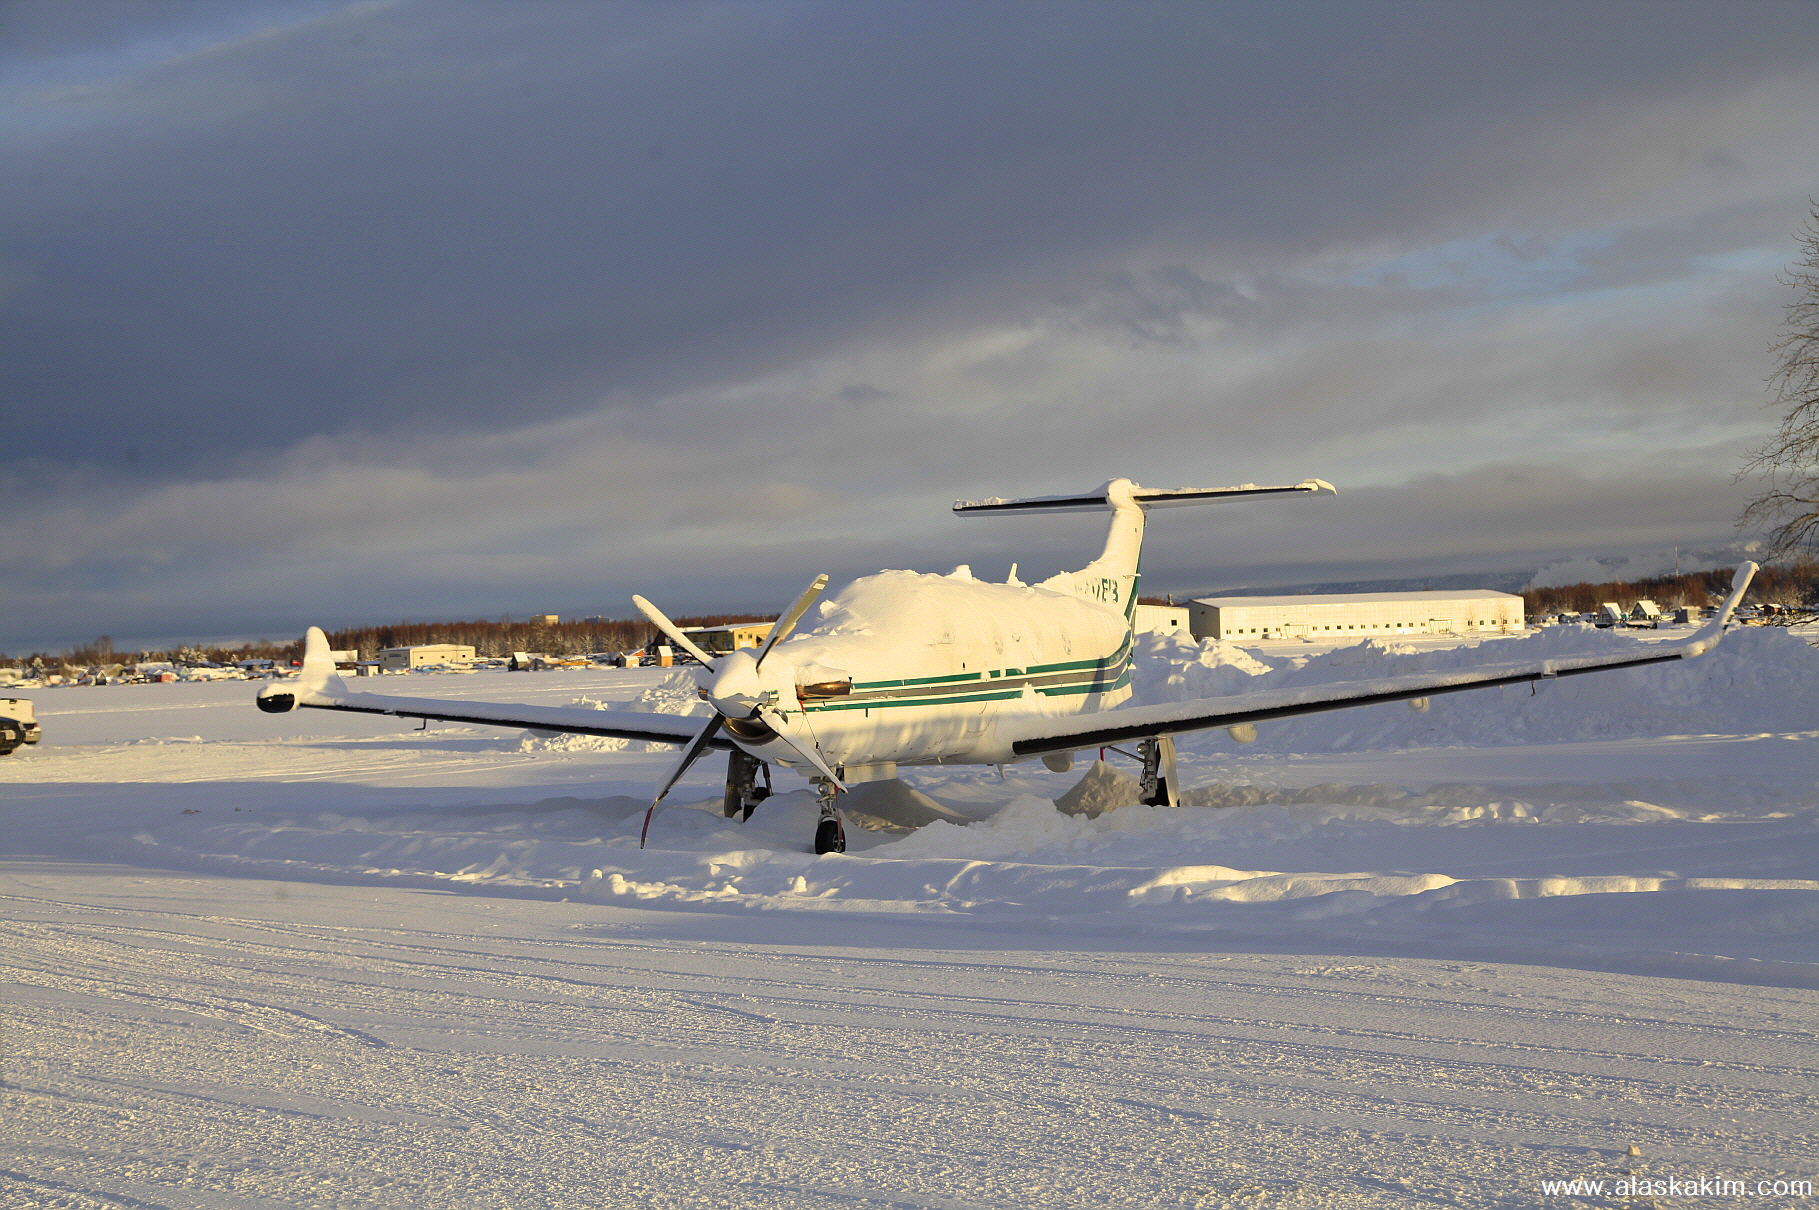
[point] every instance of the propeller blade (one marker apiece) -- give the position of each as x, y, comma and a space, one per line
689, 756
787, 621
807, 754
657, 619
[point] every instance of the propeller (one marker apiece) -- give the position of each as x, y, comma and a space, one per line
788, 621
757, 702
661, 621
689, 756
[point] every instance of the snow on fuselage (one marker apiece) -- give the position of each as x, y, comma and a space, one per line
915, 668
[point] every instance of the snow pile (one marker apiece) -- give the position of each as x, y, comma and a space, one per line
676, 693
1335, 866
1760, 679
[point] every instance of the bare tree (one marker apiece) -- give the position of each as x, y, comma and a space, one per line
1788, 510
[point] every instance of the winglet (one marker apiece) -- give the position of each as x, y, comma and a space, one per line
1708, 635
318, 677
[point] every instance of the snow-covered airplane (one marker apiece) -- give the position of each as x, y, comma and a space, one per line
904, 668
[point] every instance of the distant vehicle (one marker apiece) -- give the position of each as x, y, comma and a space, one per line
18, 724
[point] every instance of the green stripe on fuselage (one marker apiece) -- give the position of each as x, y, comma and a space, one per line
1072, 678
893, 703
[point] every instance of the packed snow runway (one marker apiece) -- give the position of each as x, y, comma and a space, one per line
1380, 959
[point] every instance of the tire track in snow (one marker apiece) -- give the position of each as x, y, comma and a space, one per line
782, 1001
63, 1191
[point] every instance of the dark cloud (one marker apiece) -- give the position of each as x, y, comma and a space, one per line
393, 213
314, 307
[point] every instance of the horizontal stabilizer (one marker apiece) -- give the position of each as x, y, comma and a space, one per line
1147, 497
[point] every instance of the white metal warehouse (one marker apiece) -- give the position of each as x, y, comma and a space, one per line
1360, 615
391, 659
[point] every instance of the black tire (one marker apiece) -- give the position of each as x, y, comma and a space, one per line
830, 837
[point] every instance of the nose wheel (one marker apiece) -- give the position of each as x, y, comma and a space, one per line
830, 833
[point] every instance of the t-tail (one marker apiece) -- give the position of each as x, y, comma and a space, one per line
1112, 577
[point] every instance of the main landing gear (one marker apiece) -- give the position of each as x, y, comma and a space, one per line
743, 793
1156, 784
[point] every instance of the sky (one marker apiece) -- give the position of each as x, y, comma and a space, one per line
332, 313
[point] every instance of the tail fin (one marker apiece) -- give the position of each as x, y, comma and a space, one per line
1112, 577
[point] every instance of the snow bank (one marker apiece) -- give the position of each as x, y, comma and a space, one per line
676, 693
1144, 868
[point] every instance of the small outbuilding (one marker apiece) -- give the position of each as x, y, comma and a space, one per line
1161, 619
1363, 615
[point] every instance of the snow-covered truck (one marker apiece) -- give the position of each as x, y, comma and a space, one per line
18, 724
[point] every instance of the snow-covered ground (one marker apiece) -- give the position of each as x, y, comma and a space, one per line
1381, 958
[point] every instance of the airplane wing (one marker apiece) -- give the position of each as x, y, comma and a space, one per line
319, 687
1040, 736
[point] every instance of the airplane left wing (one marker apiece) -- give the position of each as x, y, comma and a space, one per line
320, 687
1039, 736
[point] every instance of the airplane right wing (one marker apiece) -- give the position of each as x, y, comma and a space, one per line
1069, 734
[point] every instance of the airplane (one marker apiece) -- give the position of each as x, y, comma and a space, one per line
904, 668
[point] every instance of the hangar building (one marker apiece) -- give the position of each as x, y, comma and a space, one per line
392, 659
1362, 615
718, 640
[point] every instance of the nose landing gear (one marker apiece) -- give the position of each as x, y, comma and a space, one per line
830, 833
743, 793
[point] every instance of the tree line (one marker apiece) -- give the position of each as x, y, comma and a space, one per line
488, 637
1792, 585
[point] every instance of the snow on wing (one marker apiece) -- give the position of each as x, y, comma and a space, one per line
320, 687
617, 724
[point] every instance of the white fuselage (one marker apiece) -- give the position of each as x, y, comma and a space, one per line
908, 668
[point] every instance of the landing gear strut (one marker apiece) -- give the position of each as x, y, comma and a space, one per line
743, 793
1156, 784
830, 833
